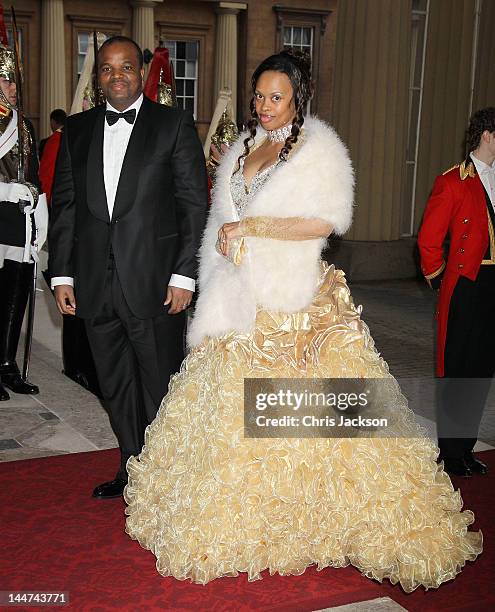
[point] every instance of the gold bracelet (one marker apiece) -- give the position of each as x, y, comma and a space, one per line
212, 162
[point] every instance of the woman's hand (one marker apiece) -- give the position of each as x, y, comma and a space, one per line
227, 233
216, 154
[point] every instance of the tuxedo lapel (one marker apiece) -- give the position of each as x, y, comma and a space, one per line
95, 183
131, 167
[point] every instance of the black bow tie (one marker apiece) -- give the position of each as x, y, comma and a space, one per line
129, 116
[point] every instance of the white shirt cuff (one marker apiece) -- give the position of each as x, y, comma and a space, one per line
183, 282
176, 280
62, 280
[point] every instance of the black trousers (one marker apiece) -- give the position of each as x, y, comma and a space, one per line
134, 360
469, 363
15, 283
76, 354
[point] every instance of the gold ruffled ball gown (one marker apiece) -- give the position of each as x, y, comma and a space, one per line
209, 503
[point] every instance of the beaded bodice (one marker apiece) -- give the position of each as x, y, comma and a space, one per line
242, 193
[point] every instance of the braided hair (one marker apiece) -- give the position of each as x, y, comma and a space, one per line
296, 65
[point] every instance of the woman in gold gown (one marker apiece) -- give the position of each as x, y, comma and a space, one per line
210, 502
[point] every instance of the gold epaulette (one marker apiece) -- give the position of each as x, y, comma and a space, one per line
452, 168
464, 171
5, 111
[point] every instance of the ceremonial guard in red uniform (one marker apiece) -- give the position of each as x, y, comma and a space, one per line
462, 205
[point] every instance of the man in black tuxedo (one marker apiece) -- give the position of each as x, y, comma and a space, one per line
128, 210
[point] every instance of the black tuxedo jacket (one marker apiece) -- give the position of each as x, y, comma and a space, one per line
158, 216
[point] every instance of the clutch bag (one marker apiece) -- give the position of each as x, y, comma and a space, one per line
237, 250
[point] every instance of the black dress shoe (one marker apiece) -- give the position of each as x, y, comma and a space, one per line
109, 490
4, 396
475, 465
11, 378
15, 382
456, 467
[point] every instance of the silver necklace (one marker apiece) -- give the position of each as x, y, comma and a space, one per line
280, 134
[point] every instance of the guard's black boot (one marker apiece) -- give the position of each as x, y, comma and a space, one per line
16, 282
11, 378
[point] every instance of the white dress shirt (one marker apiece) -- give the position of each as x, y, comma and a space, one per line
115, 141
487, 177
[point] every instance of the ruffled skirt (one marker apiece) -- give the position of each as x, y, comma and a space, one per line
209, 503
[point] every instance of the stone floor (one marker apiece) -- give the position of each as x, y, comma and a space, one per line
381, 604
65, 418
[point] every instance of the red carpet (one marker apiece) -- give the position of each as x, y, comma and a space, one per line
55, 537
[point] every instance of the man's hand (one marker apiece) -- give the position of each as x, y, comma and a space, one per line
65, 300
179, 299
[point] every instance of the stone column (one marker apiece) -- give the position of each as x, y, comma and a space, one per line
370, 108
143, 23
484, 87
226, 52
53, 93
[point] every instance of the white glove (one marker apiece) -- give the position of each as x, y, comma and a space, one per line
41, 219
13, 192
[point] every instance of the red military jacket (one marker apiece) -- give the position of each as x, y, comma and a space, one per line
48, 162
457, 206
